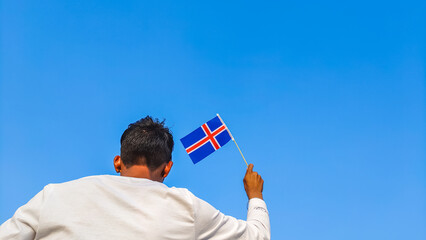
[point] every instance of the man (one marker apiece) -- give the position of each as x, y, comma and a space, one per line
135, 205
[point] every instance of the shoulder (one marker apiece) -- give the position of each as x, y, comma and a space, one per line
195, 201
80, 183
184, 192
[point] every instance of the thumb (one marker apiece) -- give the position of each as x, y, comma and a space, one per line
250, 168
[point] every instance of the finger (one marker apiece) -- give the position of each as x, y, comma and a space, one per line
250, 168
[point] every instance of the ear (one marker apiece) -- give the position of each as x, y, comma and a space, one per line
117, 163
167, 169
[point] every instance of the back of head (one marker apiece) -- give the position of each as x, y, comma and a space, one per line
146, 142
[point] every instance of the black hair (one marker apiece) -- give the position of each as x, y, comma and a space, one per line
146, 142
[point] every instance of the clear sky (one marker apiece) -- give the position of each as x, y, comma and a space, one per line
326, 99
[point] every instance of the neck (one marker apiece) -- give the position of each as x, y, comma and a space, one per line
141, 171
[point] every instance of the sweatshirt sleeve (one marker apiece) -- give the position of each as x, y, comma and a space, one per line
210, 223
24, 223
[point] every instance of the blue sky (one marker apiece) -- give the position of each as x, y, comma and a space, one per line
326, 98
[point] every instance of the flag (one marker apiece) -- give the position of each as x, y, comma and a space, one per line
206, 139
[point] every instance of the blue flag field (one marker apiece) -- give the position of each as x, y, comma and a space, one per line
206, 139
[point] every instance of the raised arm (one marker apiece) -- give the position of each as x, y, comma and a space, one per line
210, 223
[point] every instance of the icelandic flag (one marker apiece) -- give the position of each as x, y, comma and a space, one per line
206, 139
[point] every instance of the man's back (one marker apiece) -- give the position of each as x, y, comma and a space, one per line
117, 207
136, 204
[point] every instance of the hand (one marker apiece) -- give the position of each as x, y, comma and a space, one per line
253, 183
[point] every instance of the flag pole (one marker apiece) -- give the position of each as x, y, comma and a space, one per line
232, 138
240, 151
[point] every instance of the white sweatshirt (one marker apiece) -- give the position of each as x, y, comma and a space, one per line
116, 207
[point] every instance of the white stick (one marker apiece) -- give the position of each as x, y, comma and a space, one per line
232, 139
240, 152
